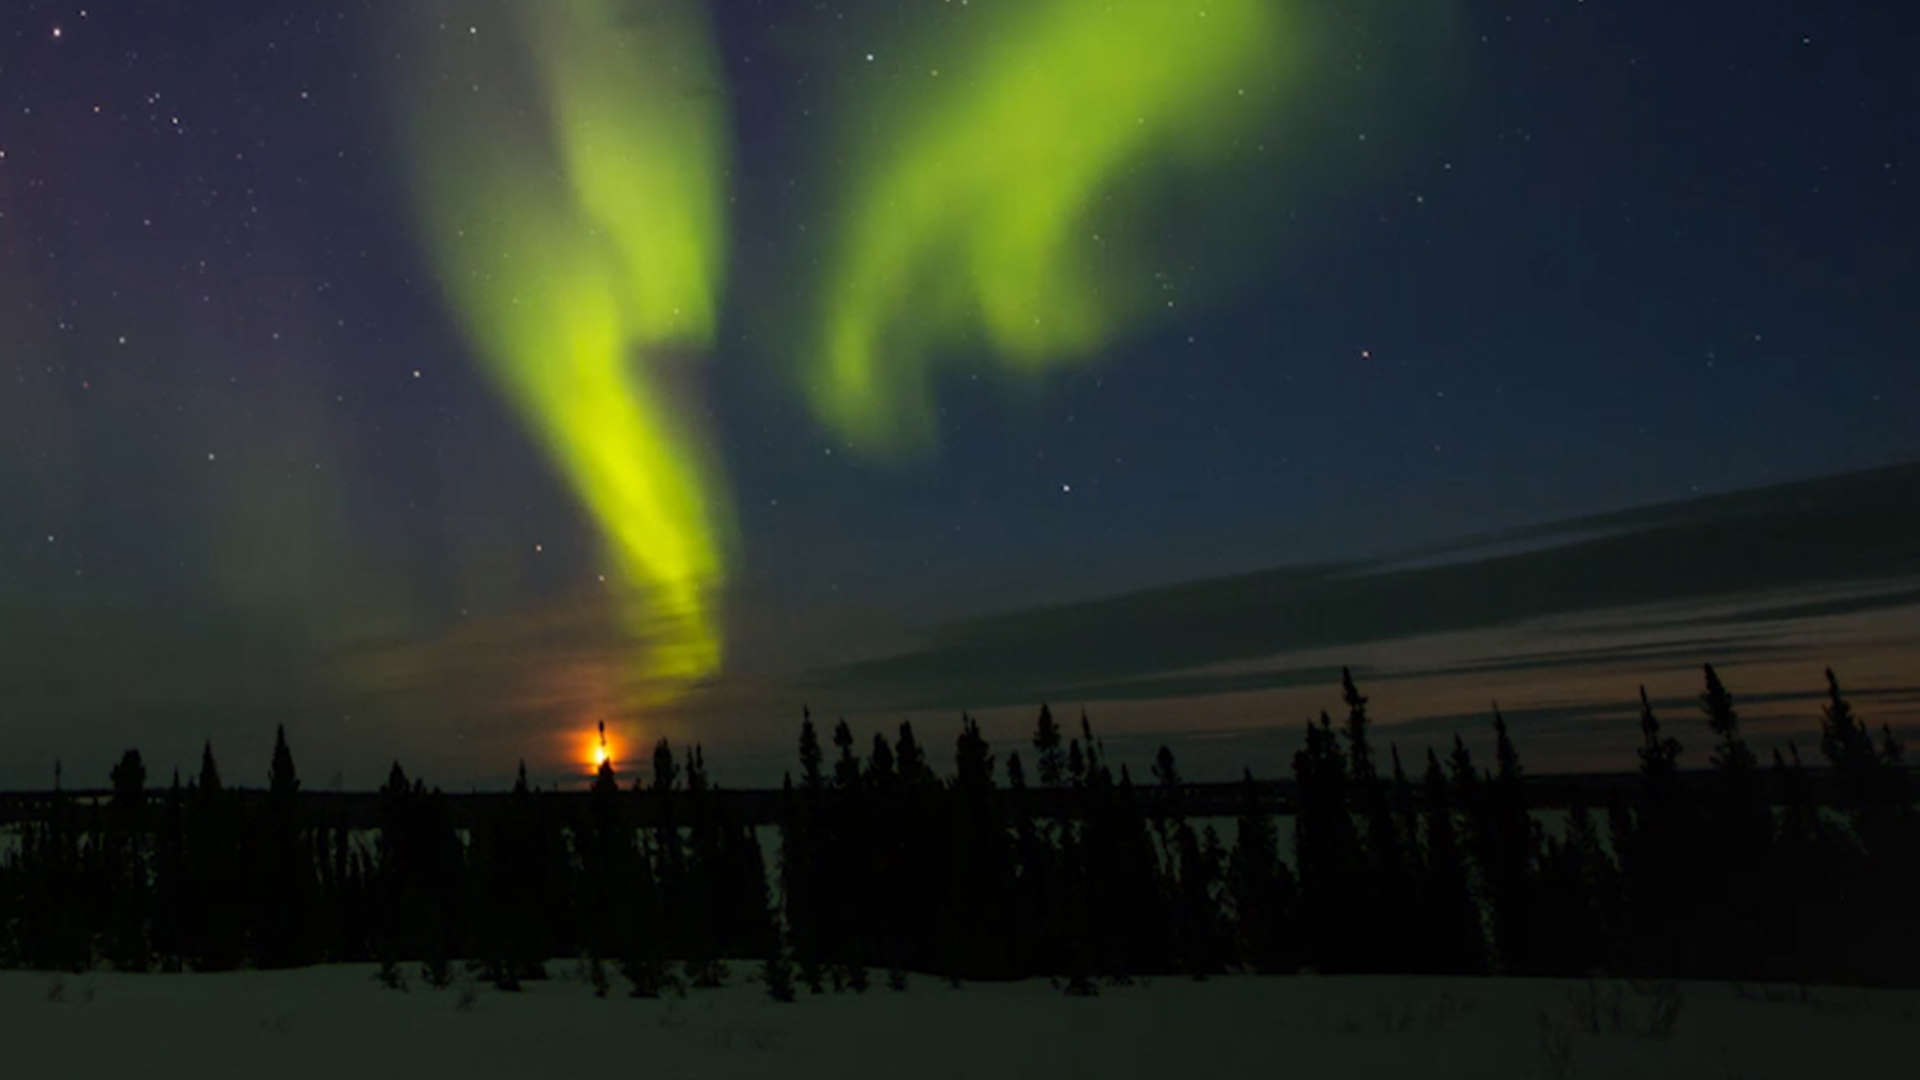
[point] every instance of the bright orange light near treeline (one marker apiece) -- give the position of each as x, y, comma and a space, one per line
599, 747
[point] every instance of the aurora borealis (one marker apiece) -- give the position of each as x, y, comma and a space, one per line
983, 209
444, 379
584, 275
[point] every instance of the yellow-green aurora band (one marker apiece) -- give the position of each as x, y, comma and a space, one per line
568, 160
975, 216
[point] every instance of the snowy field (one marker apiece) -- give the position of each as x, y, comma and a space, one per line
336, 1021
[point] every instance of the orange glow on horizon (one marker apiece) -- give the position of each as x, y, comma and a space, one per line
600, 747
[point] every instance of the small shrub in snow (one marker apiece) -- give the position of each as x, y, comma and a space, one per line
1441, 1011
1598, 1008
436, 972
777, 973
390, 976
597, 975
1394, 1018
1664, 1009
1556, 1048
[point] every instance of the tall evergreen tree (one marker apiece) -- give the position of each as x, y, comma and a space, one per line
974, 914
125, 866
213, 918
1046, 746
1508, 855
1741, 832
1331, 863
1858, 769
1260, 888
1450, 922
281, 901
170, 879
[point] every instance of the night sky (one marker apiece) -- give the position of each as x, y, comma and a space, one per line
439, 379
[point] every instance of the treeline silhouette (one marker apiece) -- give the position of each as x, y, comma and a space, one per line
885, 866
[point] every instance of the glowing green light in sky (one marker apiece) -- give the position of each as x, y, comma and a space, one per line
568, 163
982, 208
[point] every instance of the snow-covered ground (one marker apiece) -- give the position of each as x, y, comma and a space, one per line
336, 1021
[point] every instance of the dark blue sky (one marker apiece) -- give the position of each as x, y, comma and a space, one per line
1566, 258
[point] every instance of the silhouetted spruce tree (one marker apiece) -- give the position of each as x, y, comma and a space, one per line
623, 912
1569, 926
1079, 931
669, 851
1802, 920
1897, 937
776, 971
1142, 928
920, 869
54, 934
1382, 891
492, 904
1744, 818
810, 774
880, 775
1451, 935
511, 937
213, 916
1406, 820
1029, 942
443, 866
280, 900
1326, 846
1508, 856
973, 916
848, 866
1660, 876
1740, 833
399, 892
529, 941
888, 839
794, 895
1402, 869
1868, 779
125, 866
708, 927
1167, 807
1168, 820
808, 895
170, 878
1849, 750
1199, 949
1046, 747
1470, 800
1260, 888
